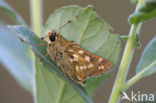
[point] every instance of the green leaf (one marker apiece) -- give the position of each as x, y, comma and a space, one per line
11, 12
148, 59
145, 12
89, 31
45, 80
52, 89
14, 56
86, 29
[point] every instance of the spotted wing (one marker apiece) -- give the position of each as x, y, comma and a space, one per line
84, 63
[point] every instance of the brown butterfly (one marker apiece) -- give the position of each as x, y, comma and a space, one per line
75, 61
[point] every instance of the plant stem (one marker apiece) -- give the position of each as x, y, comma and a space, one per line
124, 66
126, 60
36, 21
138, 75
36, 15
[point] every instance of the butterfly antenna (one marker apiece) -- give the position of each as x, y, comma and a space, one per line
64, 25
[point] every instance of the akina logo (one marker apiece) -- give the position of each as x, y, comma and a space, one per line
137, 97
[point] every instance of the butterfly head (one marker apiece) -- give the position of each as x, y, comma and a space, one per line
52, 35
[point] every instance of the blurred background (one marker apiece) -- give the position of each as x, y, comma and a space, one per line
114, 12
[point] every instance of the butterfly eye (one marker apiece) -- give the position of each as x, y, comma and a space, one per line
52, 37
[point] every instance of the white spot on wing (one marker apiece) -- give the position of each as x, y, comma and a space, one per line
90, 65
80, 51
71, 60
70, 50
85, 67
100, 60
81, 67
77, 68
87, 58
75, 57
101, 67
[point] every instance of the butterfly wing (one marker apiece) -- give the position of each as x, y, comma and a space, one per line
83, 63
69, 69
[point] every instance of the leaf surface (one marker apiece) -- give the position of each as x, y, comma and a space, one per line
14, 56
148, 58
44, 82
87, 30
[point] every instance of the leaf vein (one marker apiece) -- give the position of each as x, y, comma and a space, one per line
93, 34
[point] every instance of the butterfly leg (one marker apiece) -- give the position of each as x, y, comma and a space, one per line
43, 44
43, 38
49, 50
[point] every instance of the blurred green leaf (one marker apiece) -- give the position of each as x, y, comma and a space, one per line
47, 81
145, 12
89, 31
14, 56
11, 12
148, 57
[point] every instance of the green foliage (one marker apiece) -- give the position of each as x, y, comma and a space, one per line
145, 12
52, 89
85, 29
148, 58
11, 12
88, 30
34, 42
14, 55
